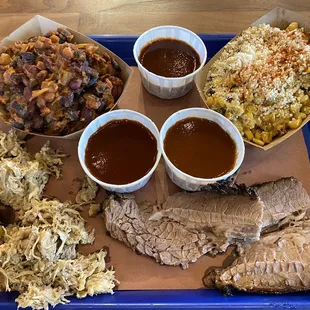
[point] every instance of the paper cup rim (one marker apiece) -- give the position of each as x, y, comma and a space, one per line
118, 186
196, 179
202, 63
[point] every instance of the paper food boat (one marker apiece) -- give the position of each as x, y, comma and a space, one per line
40, 25
280, 18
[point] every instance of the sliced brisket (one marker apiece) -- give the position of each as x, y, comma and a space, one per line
281, 199
232, 216
278, 263
170, 239
169, 242
189, 225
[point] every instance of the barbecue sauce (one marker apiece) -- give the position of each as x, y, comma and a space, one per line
169, 57
121, 152
200, 148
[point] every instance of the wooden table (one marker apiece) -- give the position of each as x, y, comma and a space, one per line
135, 16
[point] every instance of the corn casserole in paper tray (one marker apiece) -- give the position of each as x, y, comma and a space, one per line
288, 98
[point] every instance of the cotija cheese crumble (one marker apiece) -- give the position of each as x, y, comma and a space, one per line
261, 81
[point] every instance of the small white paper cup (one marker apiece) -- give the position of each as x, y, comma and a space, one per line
184, 180
101, 121
163, 87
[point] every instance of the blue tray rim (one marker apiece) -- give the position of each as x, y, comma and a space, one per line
178, 299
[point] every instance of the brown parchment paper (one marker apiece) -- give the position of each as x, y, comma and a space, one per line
134, 271
277, 17
39, 25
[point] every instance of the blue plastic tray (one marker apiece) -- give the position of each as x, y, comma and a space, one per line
176, 299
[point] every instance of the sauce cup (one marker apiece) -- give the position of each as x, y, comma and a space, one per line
101, 121
163, 87
184, 180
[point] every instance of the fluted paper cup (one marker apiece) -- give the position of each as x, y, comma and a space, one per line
101, 121
163, 87
184, 180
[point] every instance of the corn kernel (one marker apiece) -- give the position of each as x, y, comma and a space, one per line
292, 26
266, 137
251, 108
228, 114
258, 135
259, 142
300, 115
209, 101
295, 123
299, 93
280, 127
269, 127
220, 102
306, 103
305, 110
272, 118
249, 134
304, 98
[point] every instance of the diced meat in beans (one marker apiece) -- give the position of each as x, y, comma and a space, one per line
50, 85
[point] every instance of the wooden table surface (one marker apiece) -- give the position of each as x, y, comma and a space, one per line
135, 16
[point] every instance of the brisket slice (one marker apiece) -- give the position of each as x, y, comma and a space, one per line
236, 217
281, 199
169, 242
278, 263
173, 242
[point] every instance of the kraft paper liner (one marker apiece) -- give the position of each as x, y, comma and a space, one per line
39, 25
280, 18
134, 271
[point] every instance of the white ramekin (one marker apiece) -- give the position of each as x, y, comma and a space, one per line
162, 87
184, 180
101, 121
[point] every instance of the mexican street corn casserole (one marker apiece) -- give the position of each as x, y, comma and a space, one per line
261, 81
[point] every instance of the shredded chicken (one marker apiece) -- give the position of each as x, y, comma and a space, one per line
10, 145
86, 197
87, 192
22, 176
38, 253
21, 180
94, 209
50, 160
50, 282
